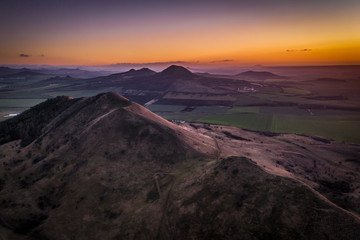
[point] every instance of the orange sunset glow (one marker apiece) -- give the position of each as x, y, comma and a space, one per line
190, 119
245, 33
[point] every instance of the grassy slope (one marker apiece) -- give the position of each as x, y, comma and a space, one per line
336, 124
337, 129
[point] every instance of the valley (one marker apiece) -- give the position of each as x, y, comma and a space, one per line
320, 101
179, 120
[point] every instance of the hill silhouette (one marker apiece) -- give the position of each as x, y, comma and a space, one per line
57, 79
145, 79
175, 72
141, 72
26, 73
8, 71
135, 73
255, 75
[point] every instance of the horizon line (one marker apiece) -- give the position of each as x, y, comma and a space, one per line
179, 63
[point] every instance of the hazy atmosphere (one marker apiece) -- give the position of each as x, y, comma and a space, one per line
179, 119
275, 32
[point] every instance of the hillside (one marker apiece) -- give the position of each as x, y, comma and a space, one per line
176, 72
8, 71
256, 75
22, 74
106, 168
132, 73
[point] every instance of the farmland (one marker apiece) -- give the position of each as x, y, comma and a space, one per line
345, 128
324, 123
315, 104
165, 108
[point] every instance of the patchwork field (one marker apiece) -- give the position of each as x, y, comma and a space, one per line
165, 108
19, 103
13, 106
315, 104
296, 91
338, 128
198, 96
334, 124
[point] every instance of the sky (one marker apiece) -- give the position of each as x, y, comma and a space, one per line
214, 32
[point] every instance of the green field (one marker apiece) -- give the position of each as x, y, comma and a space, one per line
189, 117
245, 110
199, 96
296, 91
212, 109
340, 128
244, 100
165, 108
287, 98
80, 93
335, 124
265, 97
256, 110
19, 103
158, 108
270, 110
244, 120
284, 111
10, 106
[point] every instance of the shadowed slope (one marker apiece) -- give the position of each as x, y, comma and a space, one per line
106, 168
109, 114
254, 75
175, 72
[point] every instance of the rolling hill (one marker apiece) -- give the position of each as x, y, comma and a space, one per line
23, 74
176, 72
104, 167
260, 76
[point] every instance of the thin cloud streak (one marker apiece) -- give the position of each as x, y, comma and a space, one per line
299, 50
223, 61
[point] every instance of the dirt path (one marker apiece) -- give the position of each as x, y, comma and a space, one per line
93, 122
258, 158
218, 155
164, 231
327, 200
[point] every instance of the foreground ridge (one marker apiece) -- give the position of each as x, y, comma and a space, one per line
105, 167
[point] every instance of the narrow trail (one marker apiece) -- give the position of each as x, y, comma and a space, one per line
157, 185
93, 122
219, 152
218, 148
321, 196
164, 231
327, 200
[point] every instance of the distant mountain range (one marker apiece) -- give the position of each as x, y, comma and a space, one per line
26, 73
9, 72
171, 78
6, 71
176, 72
261, 76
